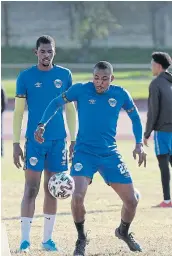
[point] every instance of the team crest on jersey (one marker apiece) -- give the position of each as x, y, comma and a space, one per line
58, 83
78, 167
33, 161
112, 102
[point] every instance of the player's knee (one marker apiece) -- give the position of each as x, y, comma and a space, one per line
46, 191
31, 191
131, 204
77, 199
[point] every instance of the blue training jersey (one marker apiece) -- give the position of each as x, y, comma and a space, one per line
97, 115
40, 88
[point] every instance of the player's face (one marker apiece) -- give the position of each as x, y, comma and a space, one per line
156, 68
102, 80
45, 54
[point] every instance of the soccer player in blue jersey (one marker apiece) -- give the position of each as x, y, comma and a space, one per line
38, 86
99, 104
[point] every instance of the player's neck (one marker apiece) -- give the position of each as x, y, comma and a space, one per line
161, 71
44, 68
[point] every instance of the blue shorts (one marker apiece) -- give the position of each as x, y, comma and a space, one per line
111, 168
50, 155
163, 142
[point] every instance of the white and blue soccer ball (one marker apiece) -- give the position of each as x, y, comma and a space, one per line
61, 185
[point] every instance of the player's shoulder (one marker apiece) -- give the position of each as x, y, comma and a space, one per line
118, 90
28, 71
84, 86
155, 82
62, 69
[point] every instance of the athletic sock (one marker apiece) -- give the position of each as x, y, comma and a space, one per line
49, 221
124, 227
25, 229
80, 229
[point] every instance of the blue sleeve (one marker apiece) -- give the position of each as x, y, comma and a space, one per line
133, 114
51, 110
74, 92
21, 87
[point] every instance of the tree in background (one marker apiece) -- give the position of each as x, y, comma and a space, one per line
94, 22
159, 22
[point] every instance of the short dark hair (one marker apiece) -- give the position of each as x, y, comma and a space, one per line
104, 65
45, 39
162, 58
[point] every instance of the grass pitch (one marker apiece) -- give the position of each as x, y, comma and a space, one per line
152, 226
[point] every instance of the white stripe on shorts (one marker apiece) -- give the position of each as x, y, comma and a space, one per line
157, 143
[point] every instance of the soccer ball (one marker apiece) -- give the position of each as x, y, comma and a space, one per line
61, 185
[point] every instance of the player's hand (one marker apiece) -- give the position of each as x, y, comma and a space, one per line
39, 134
71, 150
139, 150
17, 154
146, 142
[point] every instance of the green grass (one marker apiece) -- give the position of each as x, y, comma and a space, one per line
137, 87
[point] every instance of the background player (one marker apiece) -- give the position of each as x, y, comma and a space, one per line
38, 85
99, 104
159, 119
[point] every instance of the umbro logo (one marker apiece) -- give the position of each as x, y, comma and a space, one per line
92, 101
38, 84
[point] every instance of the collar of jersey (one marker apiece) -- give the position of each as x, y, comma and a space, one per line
36, 66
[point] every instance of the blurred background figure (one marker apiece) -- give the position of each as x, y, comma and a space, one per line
3, 107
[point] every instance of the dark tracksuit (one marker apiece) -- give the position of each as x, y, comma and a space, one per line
159, 120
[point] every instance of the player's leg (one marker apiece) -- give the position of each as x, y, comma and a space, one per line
130, 200
83, 169
79, 212
162, 150
33, 170
163, 161
171, 160
116, 174
77, 204
56, 161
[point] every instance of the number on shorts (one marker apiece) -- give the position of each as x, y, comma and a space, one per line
123, 168
64, 155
